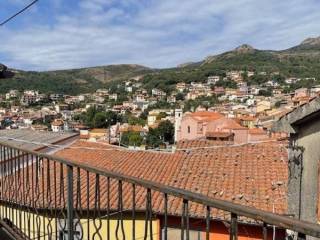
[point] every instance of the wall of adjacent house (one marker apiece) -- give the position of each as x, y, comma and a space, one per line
36, 224
219, 230
309, 139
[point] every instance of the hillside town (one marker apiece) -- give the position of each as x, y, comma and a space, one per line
207, 111
231, 144
106, 134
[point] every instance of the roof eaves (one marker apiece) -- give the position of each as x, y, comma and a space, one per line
286, 122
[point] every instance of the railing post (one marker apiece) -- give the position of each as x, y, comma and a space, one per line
265, 231
234, 227
70, 201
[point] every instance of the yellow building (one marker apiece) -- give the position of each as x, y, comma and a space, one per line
98, 133
263, 106
44, 224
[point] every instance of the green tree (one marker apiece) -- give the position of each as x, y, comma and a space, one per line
99, 120
166, 131
87, 117
161, 115
227, 84
132, 139
180, 97
95, 118
135, 139
112, 118
204, 101
265, 92
153, 138
144, 115
136, 121
163, 133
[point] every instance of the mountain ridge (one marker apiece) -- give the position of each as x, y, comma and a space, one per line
300, 60
311, 41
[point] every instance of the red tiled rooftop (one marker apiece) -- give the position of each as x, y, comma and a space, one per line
257, 131
253, 174
206, 116
200, 143
229, 123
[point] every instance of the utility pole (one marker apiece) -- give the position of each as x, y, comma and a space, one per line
109, 135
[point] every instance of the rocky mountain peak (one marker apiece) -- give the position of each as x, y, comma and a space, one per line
244, 48
311, 41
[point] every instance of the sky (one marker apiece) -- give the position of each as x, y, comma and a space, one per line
63, 34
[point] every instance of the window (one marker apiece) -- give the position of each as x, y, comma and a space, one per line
189, 129
200, 127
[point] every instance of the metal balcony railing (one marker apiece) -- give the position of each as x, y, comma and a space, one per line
46, 197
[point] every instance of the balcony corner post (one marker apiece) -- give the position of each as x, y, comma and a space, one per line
70, 202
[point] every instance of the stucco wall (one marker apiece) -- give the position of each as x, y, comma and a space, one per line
41, 225
218, 230
194, 133
309, 138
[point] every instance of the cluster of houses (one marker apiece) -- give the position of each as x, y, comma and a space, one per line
261, 174
241, 115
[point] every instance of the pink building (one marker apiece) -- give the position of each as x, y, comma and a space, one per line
214, 126
237, 133
194, 125
258, 134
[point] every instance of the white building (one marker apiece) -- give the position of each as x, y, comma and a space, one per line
213, 79
113, 96
291, 80
250, 73
57, 125
158, 93
129, 89
177, 123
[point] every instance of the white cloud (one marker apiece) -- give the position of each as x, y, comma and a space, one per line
156, 33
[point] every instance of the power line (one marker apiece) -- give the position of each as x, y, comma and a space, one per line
21, 11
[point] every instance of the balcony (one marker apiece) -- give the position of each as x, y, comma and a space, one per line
47, 197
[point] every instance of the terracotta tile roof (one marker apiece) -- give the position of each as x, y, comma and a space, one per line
57, 122
84, 136
206, 116
229, 123
200, 143
253, 175
257, 131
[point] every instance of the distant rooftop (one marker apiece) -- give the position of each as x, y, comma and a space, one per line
205, 115
28, 139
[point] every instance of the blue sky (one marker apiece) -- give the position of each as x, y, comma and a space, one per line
61, 34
